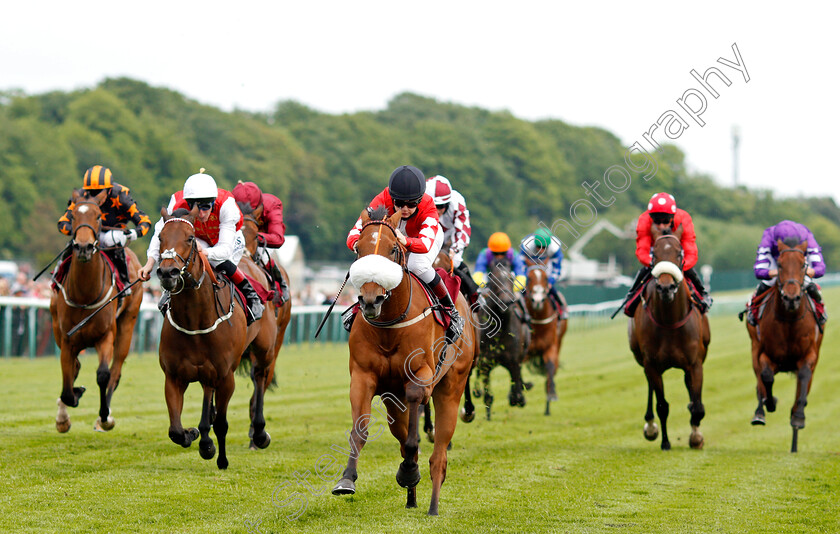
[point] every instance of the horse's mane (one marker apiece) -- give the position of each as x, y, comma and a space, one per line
378, 213
245, 208
181, 212
791, 241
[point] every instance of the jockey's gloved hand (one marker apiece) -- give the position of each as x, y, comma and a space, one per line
113, 238
130, 235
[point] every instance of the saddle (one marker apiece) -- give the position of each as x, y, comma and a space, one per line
60, 273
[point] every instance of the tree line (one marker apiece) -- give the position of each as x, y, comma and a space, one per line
325, 168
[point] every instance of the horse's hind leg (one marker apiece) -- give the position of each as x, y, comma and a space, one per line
468, 411
651, 430
259, 437
803, 385
446, 416
224, 392
174, 393
122, 345
205, 446
428, 426
694, 385
551, 359
655, 382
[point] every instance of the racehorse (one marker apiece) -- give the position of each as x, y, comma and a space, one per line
398, 351
786, 338
204, 337
669, 331
547, 328
90, 282
506, 336
283, 314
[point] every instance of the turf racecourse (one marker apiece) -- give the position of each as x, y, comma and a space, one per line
586, 468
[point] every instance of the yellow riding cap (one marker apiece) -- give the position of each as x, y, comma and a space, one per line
98, 177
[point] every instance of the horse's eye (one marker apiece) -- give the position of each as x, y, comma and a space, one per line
190, 239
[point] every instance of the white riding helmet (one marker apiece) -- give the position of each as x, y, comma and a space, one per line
439, 188
200, 186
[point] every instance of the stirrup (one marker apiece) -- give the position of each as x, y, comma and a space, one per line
456, 325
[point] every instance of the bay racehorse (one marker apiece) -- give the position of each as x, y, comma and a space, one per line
786, 338
204, 337
90, 282
668, 331
505, 335
398, 351
547, 328
283, 313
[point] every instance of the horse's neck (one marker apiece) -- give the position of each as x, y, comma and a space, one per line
87, 281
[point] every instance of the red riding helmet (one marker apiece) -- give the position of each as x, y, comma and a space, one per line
662, 203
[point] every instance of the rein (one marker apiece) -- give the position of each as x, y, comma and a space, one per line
98, 303
672, 326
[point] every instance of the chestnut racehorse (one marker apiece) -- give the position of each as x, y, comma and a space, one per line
547, 328
91, 282
204, 336
397, 352
283, 314
506, 336
786, 338
668, 331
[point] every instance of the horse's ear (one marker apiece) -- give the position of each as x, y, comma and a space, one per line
164, 214
679, 232
101, 197
803, 246
365, 216
655, 232
781, 245
395, 219
258, 211
194, 211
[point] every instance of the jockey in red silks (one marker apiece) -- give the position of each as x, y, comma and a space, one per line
218, 232
663, 213
272, 230
418, 231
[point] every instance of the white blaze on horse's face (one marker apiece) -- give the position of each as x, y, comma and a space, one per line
83, 209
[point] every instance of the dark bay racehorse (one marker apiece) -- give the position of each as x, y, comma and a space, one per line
547, 328
505, 335
786, 338
397, 352
668, 331
90, 282
204, 336
283, 314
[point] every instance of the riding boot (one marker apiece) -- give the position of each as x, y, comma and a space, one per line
255, 305
284, 287
523, 308
456, 323
560, 301
706, 303
814, 291
468, 286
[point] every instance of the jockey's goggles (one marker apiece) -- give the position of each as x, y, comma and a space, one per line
406, 203
661, 218
203, 204
441, 206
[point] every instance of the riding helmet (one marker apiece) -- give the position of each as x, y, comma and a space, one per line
662, 203
97, 177
407, 183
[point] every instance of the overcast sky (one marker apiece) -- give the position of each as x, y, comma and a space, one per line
618, 65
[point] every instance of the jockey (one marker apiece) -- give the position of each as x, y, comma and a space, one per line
545, 250
663, 213
768, 253
272, 230
418, 231
499, 246
218, 234
455, 223
117, 210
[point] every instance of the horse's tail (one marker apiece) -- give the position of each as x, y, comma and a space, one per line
536, 364
246, 368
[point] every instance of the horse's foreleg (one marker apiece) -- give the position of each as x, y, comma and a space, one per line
516, 397
260, 438
174, 393
651, 430
803, 384
224, 391
655, 382
408, 474
362, 387
694, 385
205, 446
69, 396
551, 360
105, 348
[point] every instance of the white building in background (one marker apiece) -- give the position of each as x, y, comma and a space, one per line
578, 269
290, 256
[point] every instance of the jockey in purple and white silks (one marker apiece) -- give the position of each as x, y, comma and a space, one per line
766, 268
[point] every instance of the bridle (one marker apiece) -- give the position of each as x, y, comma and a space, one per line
791, 280
184, 274
672, 236
681, 322
95, 231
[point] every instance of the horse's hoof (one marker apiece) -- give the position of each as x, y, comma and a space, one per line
467, 417
62, 418
408, 478
222, 463
430, 435
771, 405
253, 447
695, 441
758, 420
552, 397
797, 422
345, 486
207, 452
62, 426
101, 426
527, 385
651, 431
264, 442
666, 445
